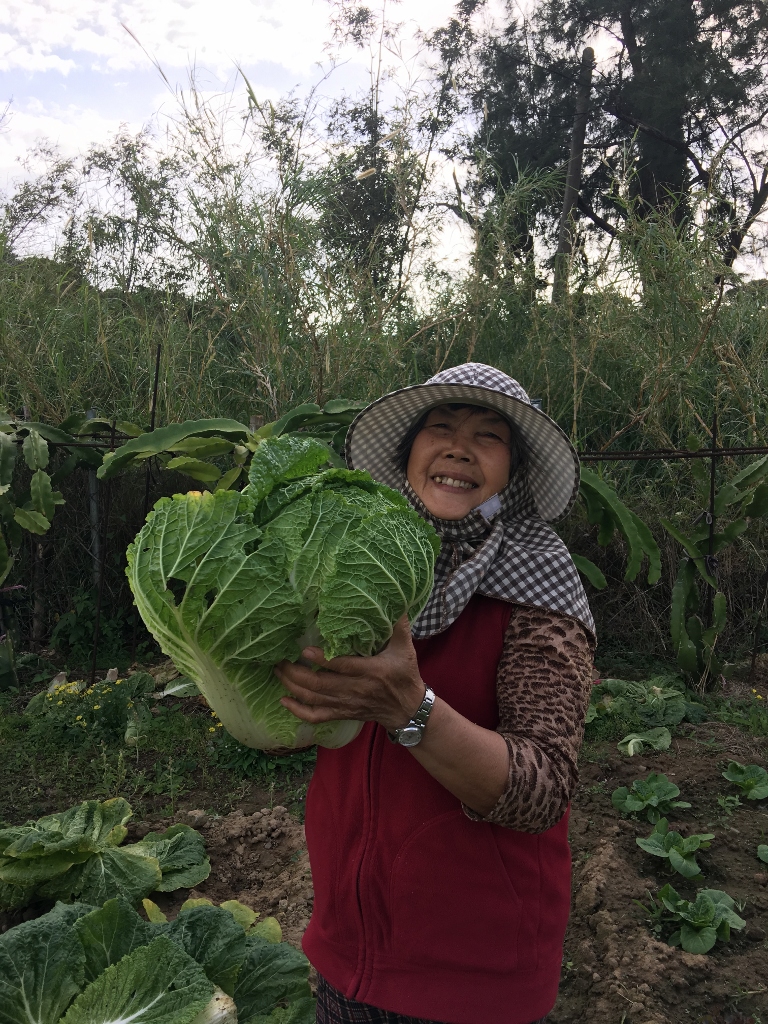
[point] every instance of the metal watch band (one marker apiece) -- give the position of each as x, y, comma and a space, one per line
411, 733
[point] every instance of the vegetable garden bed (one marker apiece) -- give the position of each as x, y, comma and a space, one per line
616, 969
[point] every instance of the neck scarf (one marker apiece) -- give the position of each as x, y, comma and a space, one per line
501, 549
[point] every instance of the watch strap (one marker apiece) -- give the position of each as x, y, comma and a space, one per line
419, 721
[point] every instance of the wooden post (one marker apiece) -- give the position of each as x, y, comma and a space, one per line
573, 175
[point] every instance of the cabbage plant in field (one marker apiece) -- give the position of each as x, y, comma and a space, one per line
230, 583
80, 964
78, 854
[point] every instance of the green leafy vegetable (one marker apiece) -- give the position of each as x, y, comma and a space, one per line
674, 848
702, 922
84, 965
751, 779
762, 853
657, 739
77, 854
41, 967
654, 796
272, 973
230, 583
108, 934
156, 984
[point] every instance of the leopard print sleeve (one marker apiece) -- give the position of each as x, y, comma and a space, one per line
543, 683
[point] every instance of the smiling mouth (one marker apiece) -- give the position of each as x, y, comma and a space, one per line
449, 481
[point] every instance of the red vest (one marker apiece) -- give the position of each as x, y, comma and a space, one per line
418, 909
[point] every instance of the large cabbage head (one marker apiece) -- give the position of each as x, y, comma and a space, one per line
229, 583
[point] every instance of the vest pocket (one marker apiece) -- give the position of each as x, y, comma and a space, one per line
453, 903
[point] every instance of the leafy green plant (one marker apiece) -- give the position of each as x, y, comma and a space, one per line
77, 854
99, 712
73, 632
679, 851
82, 965
653, 796
657, 739
751, 779
191, 446
268, 929
231, 583
693, 643
762, 853
701, 922
606, 510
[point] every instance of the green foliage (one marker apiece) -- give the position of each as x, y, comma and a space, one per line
72, 710
606, 510
697, 924
308, 556
653, 796
97, 965
693, 643
634, 743
33, 506
751, 779
679, 851
188, 447
623, 709
250, 763
77, 854
751, 716
762, 853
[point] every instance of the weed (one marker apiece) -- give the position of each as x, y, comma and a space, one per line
728, 805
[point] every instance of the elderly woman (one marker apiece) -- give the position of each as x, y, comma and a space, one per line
438, 837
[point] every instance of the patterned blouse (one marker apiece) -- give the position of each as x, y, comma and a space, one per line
543, 684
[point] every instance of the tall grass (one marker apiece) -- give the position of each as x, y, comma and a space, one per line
217, 251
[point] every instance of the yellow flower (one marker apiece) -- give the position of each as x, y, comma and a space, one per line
118, 681
79, 718
96, 707
212, 729
59, 703
759, 696
219, 725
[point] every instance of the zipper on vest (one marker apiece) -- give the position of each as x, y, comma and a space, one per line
362, 863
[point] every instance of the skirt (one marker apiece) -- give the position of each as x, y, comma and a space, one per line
334, 1008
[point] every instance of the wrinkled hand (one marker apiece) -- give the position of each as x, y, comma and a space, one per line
385, 688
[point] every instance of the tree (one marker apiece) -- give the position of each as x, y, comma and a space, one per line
678, 108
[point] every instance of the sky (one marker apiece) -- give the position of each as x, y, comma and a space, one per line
73, 74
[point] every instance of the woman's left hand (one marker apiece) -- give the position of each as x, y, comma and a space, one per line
385, 688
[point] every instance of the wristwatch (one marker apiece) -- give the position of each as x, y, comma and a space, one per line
411, 733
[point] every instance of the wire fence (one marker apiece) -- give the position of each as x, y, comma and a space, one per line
713, 453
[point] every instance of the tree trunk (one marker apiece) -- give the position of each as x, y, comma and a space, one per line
573, 176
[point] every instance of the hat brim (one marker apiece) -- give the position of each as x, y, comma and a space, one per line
553, 468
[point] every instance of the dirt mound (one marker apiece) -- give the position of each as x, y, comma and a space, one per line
259, 859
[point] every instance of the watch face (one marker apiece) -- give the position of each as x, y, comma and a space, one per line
409, 736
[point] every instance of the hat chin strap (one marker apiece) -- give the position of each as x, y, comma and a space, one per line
489, 508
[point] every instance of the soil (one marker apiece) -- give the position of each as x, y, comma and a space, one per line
258, 857
614, 968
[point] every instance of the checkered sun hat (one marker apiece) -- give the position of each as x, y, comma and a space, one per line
553, 470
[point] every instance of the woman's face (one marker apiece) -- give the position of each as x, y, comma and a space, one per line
459, 459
